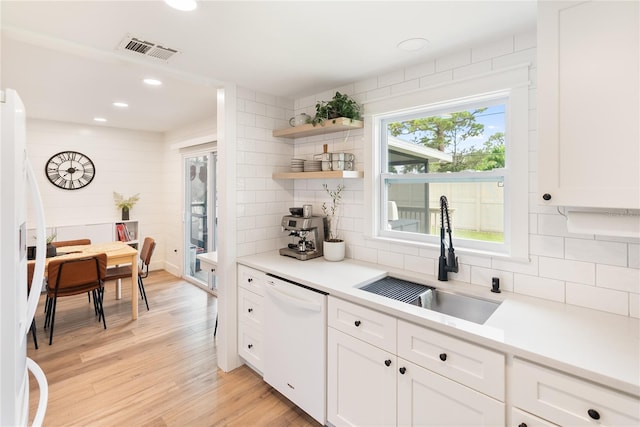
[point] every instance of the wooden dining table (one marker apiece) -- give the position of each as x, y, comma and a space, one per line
118, 253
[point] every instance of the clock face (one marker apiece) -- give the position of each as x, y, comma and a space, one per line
70, 170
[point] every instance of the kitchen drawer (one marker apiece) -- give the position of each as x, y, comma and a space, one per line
250, 345
250, 308
567, 400
469, 364
524, 419
368, 325
251, 279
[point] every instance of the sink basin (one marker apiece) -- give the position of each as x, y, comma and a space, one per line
473, 309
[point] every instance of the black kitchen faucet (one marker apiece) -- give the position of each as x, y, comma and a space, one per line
449, 262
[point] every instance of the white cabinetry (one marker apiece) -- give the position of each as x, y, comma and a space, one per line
589, 103
250, 292
567, 400
385, 371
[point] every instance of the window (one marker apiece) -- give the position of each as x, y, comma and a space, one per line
471, 149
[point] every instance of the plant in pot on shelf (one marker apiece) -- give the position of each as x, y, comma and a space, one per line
125, 204
333, 246
51, 250
341, 105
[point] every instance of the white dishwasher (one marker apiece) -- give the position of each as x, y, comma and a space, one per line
295, 325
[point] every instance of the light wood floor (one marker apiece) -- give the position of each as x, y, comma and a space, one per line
160, 370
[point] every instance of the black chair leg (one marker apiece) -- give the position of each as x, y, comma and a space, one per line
142, 292
33, 332
47, 312
215, 328
53, 319
97, 297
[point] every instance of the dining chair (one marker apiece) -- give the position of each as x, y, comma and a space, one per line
67, 277
76, 242
124, 271
30, 269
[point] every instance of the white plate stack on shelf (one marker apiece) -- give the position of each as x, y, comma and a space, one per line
312, 165
297, 165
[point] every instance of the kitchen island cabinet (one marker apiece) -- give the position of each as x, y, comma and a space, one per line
589, 104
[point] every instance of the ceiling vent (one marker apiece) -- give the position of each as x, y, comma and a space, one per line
141, 47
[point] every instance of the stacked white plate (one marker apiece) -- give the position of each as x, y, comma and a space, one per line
297, 165
312, 165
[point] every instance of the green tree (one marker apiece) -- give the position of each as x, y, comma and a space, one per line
444, 133
490, 156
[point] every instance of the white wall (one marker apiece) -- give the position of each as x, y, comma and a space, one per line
127, 162
597, 272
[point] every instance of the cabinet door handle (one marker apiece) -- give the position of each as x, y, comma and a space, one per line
403, 370
443, 356
250, 280
357, 323
250, 310
387, 362
522, 425
594, 414
546, 196
250, 346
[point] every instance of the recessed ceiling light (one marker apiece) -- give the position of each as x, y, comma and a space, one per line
413, 44
120, 104
184, 5
99, 119
152, 82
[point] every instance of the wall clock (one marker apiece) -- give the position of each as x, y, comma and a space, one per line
70, 170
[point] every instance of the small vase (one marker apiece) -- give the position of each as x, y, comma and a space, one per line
125, 214
51, 250
333, 250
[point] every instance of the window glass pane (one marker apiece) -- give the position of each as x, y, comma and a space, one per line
471, 139
476, 208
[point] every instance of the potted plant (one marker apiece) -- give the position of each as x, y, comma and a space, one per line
51, 250
341, 105
333, 247
125, 204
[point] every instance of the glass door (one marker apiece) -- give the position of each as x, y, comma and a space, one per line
200, 216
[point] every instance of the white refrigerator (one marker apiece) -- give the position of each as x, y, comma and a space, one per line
17, 309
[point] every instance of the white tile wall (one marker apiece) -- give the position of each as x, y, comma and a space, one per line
586, 270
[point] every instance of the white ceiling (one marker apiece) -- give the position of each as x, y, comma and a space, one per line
62, 56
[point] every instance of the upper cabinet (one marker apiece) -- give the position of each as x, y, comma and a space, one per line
332, 125
588, 104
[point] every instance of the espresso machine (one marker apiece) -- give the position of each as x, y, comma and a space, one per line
307, 233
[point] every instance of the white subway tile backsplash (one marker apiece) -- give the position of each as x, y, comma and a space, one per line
391, 259
634, 305
634, 255
472, 69
598, 298
527, 56
390, 79
619, 278
420, 265
436, 79
489, 50
408, 86
366, 85
550, 246
573, 271
420, 70
524, 267
596, 251
526, 40
455, 60
539, 287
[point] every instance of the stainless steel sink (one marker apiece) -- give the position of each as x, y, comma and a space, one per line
465, 307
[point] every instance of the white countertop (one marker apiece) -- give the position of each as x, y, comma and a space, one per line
209, 258
599, 346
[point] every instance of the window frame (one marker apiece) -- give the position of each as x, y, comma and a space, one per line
510, 85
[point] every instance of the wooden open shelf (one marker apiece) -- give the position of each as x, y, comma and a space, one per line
332, 125
318, 175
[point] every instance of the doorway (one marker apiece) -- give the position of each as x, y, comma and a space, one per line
200, 230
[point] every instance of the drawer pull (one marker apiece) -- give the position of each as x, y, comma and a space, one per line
387, 362
250, 279
357, 323
593, 414
403, 370
250, 310
443, 356
250, 346
522, 425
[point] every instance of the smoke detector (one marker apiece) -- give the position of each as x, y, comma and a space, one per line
140, 47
